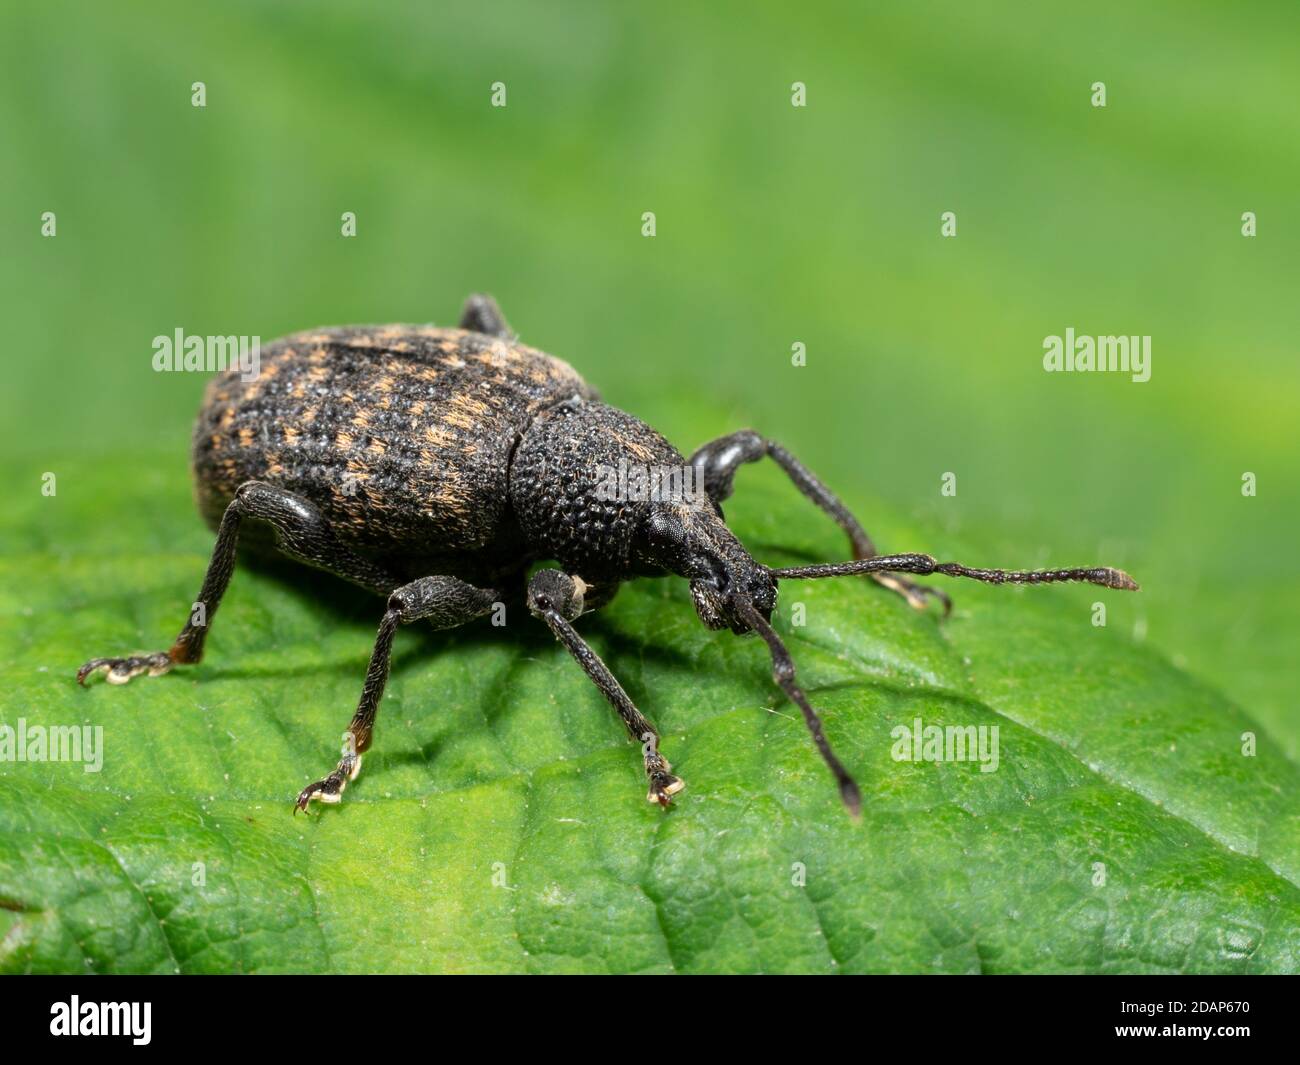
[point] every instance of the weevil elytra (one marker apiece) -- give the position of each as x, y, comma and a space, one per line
434, 467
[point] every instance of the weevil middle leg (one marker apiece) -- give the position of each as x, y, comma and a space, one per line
445, 602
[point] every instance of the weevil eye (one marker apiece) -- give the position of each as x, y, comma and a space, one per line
665, 535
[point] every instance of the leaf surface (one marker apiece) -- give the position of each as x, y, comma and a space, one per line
500, 824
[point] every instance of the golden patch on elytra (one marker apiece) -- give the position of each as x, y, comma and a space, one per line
468, 402
451, 494
438, 436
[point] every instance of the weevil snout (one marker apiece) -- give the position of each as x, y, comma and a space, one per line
694, 542
734, 577
717, 607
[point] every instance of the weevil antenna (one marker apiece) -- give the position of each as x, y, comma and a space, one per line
783, 674
1103, 575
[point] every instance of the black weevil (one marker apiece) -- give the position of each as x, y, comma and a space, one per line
434, 466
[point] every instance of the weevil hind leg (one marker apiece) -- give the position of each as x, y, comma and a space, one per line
301, 533
719, 459
559, 599
445, 602
482, 315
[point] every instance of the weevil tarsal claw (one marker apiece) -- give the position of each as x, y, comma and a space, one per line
121, 670
663, 787
330, 790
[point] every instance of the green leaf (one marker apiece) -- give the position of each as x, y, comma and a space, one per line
500, 821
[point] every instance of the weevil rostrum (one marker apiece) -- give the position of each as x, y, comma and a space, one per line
434, 467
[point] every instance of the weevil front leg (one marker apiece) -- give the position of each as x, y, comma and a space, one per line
719, 459
559, 599
301, 532
445, 602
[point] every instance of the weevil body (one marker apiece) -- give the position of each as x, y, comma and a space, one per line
434, 467
400, 436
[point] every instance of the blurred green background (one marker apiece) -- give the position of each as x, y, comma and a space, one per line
775, 225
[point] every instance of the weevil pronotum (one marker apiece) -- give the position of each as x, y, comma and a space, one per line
434, 467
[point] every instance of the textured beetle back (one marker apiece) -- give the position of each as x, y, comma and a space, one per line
401, 435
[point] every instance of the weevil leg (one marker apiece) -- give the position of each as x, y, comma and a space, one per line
558, 599
301, 532
720, 458
482, 315
446, 602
